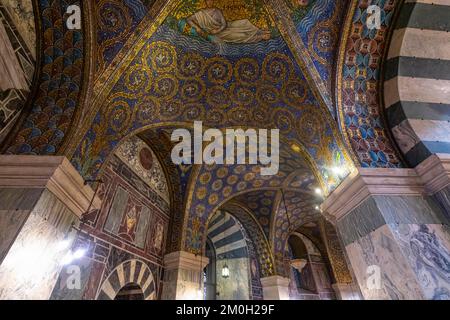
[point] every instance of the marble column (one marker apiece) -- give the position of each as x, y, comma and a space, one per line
40, 199
275, 288
347, 291
395, 234
183, 276
435, 175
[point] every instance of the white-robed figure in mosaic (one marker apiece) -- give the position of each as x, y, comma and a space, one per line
210, 23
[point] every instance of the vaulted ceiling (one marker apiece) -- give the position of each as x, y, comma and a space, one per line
262, 64
271, 67
241, 63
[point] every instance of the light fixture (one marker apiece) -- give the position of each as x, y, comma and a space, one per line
339, 171
72, 256
225, 271
199, 295
68, 258
64, 244
79, 253
317, 208
299, 264
318, 191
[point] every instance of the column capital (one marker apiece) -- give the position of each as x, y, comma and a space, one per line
185, 260
275, 281
275, 288
48, 172
365, 182
435, 172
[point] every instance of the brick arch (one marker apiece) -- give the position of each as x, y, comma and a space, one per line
128, 272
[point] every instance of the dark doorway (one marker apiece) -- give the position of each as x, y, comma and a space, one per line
130, 292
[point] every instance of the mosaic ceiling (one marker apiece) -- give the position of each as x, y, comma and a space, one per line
248, 63
225, 64
261, 204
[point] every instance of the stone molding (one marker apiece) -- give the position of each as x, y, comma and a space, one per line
428, 178
275, 288
365, 182
48, 172
275, 281
435, 173
185, 260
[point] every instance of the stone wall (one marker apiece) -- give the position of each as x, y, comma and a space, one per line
131, 225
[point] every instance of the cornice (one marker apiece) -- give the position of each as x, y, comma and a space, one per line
365, 182
185, 260
48, 172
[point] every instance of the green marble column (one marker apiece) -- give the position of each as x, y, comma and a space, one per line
395, 234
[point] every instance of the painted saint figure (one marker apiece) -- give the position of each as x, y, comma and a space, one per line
210, 23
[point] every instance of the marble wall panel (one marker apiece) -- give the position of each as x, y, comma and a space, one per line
117, 211
30, 269
236, 287
410, 210
15, 206
68, 286
407, 238
427, 249
379, 251
181, 284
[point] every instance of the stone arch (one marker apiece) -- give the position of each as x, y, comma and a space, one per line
360, 111
317, 268
128, 272
237, 247
256, 234
301, 210
245, 178
162, 151
416, 81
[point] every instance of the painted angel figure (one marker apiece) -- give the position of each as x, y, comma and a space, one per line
210, 23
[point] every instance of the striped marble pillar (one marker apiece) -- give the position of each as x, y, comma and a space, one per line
40, 198
395, 235
417, 80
